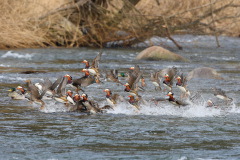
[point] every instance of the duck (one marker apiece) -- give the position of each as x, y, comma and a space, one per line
78, 106
134, 71
62, 95
94, 68
61, 89
168, 74
134, 102
18, 93
154, 77
70, 97
35, 96
131, 90
219, 93
132, 85
40, 87
47, 84
167, 82
95, 62
122, 74
182, 85
112, 99
87, 65
172, 100
210, 104
112, 102
84, 81
66, 99
112, 75
91, 106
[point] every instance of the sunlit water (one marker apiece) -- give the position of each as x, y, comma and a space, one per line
155, 132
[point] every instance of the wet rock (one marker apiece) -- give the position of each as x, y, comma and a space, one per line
157, 53
32, 72
204, 72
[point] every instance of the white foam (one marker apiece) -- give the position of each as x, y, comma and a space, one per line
52, 106
171, 110
222, 58
17, 55
2, 65
152, 109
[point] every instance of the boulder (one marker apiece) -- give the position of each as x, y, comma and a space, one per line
204, 72
156, 53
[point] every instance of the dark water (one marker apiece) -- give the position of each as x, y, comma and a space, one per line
156, 132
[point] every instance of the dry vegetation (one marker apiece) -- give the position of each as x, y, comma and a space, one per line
69, 23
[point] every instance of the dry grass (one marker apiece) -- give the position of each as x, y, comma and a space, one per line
41, 23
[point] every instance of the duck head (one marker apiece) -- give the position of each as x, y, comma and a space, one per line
69, 93
108, 92
178, 78
121, 75
132, 68
20, 88
76, 97
69, 78
84, 97
127, 87
167, 78
86, 71
12, 90
86, 63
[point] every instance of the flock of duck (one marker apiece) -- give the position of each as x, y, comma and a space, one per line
62, 90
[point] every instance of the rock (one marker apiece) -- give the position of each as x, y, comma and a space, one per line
204, 72
157, 53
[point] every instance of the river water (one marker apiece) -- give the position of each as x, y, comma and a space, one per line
156, 132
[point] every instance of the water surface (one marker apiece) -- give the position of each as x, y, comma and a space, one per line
156, 132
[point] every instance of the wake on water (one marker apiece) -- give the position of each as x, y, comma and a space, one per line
193, 110
11, 54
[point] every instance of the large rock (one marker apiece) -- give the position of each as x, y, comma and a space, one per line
157, 53
204, 72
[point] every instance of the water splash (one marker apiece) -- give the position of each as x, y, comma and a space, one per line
194, 110
51, 107
17, 55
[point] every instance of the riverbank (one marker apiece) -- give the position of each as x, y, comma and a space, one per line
89, 23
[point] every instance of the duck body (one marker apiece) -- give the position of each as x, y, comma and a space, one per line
134, 102
16, 94
182, 85
112, 75
167, 83
168, 74
78, 106
91, 106
112, 99
155, 80
35, 96
174, 101
219, 93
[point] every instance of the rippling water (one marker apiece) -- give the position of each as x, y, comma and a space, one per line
156, 132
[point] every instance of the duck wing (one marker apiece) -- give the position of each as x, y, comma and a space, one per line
83, 81
135, 86
61, 90
55, 84
219, 91
95, 63
35, 95
184, 80
113, 76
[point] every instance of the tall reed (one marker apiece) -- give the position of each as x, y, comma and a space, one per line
69, 23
